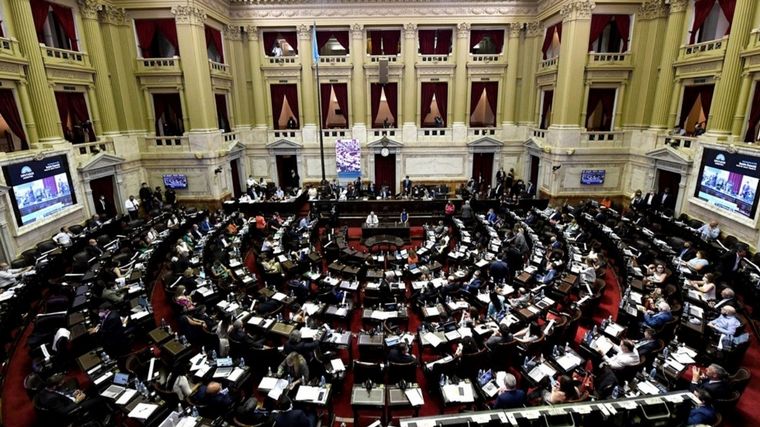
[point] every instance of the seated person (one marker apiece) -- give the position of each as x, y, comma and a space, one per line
697, 263
266, 306
290, 417
523, 298
625, 355
727, 296
648, 344
294, 367
466, 346
62, 401
563, 389
474, 284
588, 272
296, 344
549, 276
238, 333
706, 286
528, 334
372, 220
726, 323
113, 294
181, 299
400, 354
712, 380
509, 395
704, 413
271, 265
251, 412
412, 258
497, 306
663, 315
219, 270
500, 336
216, 398
656, 274
709, 232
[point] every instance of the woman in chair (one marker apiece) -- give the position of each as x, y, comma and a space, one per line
563, 389
656, 274
183, 300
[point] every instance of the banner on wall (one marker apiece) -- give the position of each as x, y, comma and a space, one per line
348, 159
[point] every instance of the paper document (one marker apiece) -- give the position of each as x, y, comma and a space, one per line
337, 365
126, 397
432, 339
415, 396
143, 410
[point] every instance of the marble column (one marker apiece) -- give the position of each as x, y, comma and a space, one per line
459, 102
27, 111
259, 87
674, 35
308, 77
727, 88
576, 27
89, 10
409, 93
46, 119
95, 117
509, 95
529, 57
745, 94
358, 81
236, 59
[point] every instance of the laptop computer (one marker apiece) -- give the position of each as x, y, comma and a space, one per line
121, 378
113, 391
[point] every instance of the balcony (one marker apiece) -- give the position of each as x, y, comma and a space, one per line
603, 59
92, 148
548, 65
487, 59
433, 59
231, 137
219, 70
712, 48
335, 60
392, 59
292, 135
64, 58
538, 133
282, 60
9, 47
687, 143
601, 136
166, 144
336, 133
434, 135
476, 133
159, 66
379, 133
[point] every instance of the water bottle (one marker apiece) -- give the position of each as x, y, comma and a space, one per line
594, 331
653, 373
168, 329
195, 412
163, 323
269, 372
322, 381
616, 392
567, 347
555, 351
242, 362
183, 340
213, 354
179, 408
176, 336
665, 352
442, 382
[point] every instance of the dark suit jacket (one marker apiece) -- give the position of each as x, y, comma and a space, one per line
510, 399
114, 335
726, 263
701, 415
58, 405
396, 356
648, 347
293, 418
717, 389
670, 201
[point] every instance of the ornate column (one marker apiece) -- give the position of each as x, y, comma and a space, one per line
48, 126
195, 68
576, 27
675, 100
27, 111
409, 94
235, 58
529, 62
741, 109
308, 97
358, 81
674, 36
509, 94
92, 99
460, 100
727, 88
97, 52
259, 95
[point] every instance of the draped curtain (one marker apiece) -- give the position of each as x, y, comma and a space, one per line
427, 41
598, 24
492, 91
444, 42
385, 42
728, 7
754, 117
324, 98
340, 36
214, 37
385, 171
289, 92
607, 98
164, 104
375, 92
63, 14
546, 108
270, 37
221, 111
702, 10
549, 37
73, 107
440, 91
341, 93
146, 30
391, 96
690, 96
9, 111
496, 36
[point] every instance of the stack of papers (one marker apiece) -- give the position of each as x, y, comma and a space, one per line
415, 396
143, 410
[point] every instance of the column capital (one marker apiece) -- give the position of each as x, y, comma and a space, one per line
463, 30
304, 32
515, 29
232, 32
189, 15
113, 15
90, 8
534, 29
577, 9
253, 32
652, 9
357, 31
678, 5
410, 30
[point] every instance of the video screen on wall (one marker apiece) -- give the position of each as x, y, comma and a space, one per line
39, 188
729, 181
176, 182
592, 177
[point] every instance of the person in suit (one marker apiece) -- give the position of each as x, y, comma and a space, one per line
665, 200
94, 222
406, 185
251, 413
687, 252
146, 197
713, 380
637, 200
92, 249
530, 189
498, 270
400, 354
663, 315
290, 417
731, 262
727, 297
101, 206
474, 284
212, 395
650, 200
648, 344
500, 175
509, 395
64, 402
205, 225
111, 330
704, 413
296, 344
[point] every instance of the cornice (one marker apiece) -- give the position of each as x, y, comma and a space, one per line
90, 8
310, 9
652, 9
577, 9
189, 15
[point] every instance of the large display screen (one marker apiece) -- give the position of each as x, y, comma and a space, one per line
39, 188
348, 159
729, 181
176, 182
592, 177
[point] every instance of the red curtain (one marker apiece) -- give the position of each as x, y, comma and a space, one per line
324, 98
427, 91
492, 91
690, 96
607, 98
385, 171
66, 19
598, 24
623, 23
79, 107
549, 37
754, 117
728, 7
440, 90
496, 36
545, 108
221, 111
9, 111
40, 9
706, 94
146, 32
214, 37
340, 36
166, 104
444, 42
702, 10
341, 93
290, 92
385, 42
168, 28
391, 96
292, 39
72, 105
427, 41
375, 91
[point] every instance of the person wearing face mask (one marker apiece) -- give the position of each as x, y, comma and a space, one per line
111, 330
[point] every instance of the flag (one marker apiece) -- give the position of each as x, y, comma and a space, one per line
314, 45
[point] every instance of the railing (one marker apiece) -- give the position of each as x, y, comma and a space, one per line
434, 58
389, 58
602, 136
338, 59
64, 55
335, 133
433, 134
218, 67
9, 46
383, 132
538, 133
102, 146
549, 63
704, 47
481, 131
161, 142
677, 141
281, 60
293, 135
485, 58
158, 64
233, 136
601, 57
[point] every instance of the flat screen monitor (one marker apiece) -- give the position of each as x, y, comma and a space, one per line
592, 177
176, 182
39, 188
729, 181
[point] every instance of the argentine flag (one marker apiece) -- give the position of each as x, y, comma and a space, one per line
314, 46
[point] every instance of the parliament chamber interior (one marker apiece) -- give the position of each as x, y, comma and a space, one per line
410, 213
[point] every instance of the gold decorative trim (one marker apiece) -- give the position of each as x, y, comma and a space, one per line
253, 33
678, 5
577, 9
89, 8
463, 30
113, 15
232, 32
189, 15
652, 9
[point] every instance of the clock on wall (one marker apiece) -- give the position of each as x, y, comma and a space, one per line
384, 151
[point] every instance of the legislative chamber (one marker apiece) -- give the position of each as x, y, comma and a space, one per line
353, 213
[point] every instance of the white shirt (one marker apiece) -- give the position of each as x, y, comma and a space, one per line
251, 182
63, 238
7, 278
61, 333
131, 205
372, 219
622, 359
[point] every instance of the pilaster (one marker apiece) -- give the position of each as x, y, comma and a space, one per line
509, 95
27, 110
460, 100
233, 38
576, 27
258, 83
529, 60
741, 108
410, 83
674, 35
308, 97
89, 10
358, 85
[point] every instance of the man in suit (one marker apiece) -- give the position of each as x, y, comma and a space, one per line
704, 413
287, 416
101, 206
92, 249
498, 270
94, 222
407, 185
712, 380
400, 354
727, 297
687, 252
146, 197
648, 344
650, 200
474, 284
509, 395
530, 189
663, 315
666, 200
731, 262
65, 403
501, 175
205, 225
214, 397
112, 332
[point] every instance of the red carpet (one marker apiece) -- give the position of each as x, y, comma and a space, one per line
18, 410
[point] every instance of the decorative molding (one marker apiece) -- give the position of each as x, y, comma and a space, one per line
304, 32
89, 8
410, 31
287, 9
232, 32
463, 30
113, 15
253, 33
678, 5
577, 9
515, 29
357, 31
652, 9
189, 15
534, 29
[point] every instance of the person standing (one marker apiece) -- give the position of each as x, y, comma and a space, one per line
170, 196
132, 206
146, 197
